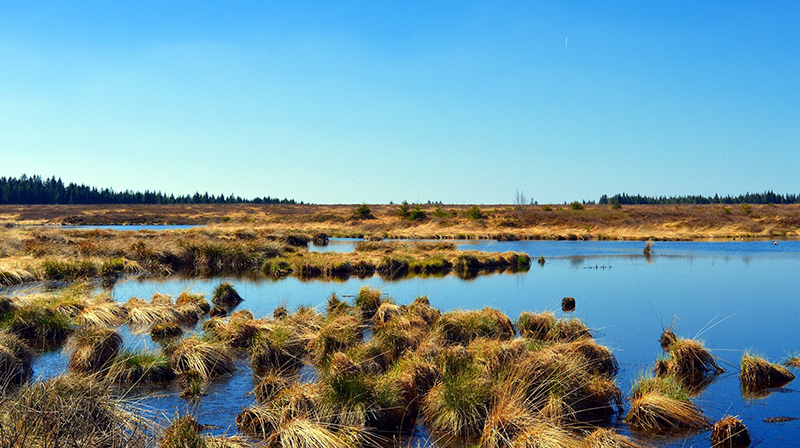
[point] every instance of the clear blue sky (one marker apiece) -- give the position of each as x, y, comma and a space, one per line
373, 101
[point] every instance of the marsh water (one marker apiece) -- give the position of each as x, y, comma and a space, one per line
735, 296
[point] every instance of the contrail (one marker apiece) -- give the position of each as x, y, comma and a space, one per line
565, 42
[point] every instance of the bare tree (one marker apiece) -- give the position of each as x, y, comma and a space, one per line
519, 204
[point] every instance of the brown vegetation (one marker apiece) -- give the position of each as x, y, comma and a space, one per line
450, 221
730, 432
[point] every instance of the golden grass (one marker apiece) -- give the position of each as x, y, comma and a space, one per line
93, 349
71, 411
655, 412
15, 361
207, 359
546, 435
688, 360
107, 314
607, 438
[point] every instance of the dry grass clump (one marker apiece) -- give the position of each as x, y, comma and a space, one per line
667, 385
546, 435
226, 296
295, 418
655, 412
336, 334
599, 359
205, 358
183, 432
421, 308
165, 330
563, 388
10, 277
134, 367
568, 330
368, 300
458, 403
271, 384
349, 396
279, 348
507, 420
187, 298
142, 318
535, 326
161, 299
70, 411
93, 348
668, 337
794, 361
730, 432
461, 327
107, 314
386, 311
241, 329
38, 324
758, 374
336, 306
607, 438
15, 360
688, 358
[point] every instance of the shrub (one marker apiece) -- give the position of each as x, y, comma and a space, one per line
474, 213
417, 214
403, 210
363, 212
576, 206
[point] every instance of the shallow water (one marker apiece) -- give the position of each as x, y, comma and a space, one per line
735, 296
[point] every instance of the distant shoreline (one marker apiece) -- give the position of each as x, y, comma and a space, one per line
501, 222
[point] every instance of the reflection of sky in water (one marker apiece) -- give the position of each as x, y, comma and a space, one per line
732, 298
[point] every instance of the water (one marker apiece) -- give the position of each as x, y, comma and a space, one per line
734, 296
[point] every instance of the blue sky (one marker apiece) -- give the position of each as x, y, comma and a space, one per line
461, 102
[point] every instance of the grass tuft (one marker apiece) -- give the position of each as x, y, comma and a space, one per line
758, 374
226, 296
730, 432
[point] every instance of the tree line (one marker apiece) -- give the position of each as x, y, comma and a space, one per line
767, 197
36, 190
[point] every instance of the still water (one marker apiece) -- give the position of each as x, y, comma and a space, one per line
734, 296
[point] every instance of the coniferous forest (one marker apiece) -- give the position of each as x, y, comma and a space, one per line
768, 197
36, 190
